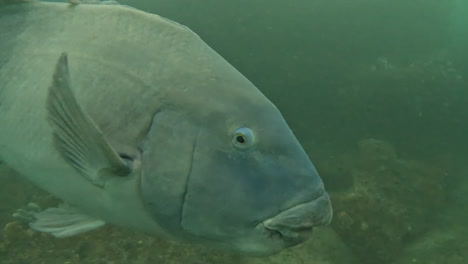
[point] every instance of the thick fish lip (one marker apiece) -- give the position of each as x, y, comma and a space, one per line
296, 224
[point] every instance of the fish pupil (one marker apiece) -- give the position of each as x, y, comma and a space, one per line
240, 139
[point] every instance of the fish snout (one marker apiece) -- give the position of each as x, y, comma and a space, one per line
295, 225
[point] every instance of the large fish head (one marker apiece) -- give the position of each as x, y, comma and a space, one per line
229, 171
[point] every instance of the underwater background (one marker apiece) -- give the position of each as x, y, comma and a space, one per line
376, 92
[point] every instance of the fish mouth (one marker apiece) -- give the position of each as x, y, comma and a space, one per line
295, 225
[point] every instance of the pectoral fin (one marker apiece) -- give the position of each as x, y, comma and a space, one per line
76, 137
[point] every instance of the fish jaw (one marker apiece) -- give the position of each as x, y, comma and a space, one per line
295, 225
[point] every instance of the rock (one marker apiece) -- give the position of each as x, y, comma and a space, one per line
390, 202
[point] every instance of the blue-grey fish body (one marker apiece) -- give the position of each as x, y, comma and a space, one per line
132, 119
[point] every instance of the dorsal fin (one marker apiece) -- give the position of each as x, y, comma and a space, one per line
10, 2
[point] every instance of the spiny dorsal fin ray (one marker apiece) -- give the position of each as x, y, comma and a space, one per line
76, 137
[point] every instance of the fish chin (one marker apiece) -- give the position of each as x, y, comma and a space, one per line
257, 242
262, 244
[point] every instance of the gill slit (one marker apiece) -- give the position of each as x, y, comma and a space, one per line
140, 152
184, 195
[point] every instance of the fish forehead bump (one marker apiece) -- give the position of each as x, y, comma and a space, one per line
228, 96
162, 54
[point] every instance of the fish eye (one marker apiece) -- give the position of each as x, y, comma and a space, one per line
243, 138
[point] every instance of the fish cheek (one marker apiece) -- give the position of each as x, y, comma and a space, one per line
167, 153
226, 194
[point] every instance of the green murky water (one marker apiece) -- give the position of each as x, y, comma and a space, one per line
377, 93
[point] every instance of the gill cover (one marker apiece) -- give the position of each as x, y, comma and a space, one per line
167, 154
